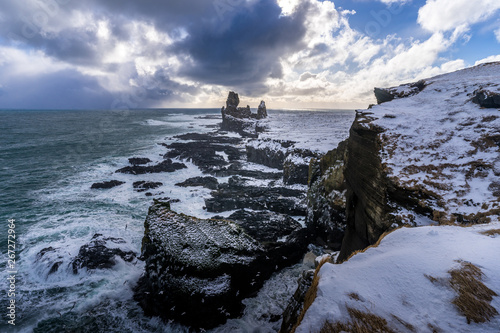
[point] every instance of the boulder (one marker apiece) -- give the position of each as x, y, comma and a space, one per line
139, 160
487, 98
143, 186
165, 166
100, 253
107, 185
197, 271
207, 182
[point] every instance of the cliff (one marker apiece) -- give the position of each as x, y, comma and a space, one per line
427, 155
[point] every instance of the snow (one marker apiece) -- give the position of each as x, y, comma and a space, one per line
390, 280
437, 138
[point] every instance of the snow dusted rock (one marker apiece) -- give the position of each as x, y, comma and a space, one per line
296, 167
271, 153
487, 98
432, 157
198, 271
388, 94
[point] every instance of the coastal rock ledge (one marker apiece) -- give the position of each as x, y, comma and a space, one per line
199, 270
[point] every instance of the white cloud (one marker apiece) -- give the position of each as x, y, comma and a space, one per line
445, 15
497, 34
492, 58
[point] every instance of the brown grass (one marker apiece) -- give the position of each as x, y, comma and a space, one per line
474, 297
360, 322
491, 232
354, 296
311, 293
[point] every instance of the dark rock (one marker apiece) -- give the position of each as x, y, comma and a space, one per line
100, 253
139, 160
271, 153
326, 197
486, 98
277, 199
405, 90
165, 166
234, 169
203, 154
208, 182
143, 186
264, 226
50, 256
296, 167
210, 137
107, 185
296, 302
241, 120
198, 271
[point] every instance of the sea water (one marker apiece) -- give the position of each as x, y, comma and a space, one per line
48, 162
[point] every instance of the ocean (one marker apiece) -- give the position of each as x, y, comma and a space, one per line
48, 162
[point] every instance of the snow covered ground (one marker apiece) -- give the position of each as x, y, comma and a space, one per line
406, 280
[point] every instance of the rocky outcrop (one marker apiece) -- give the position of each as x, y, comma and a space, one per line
326, 205
198, 271
487, 98
165, 166
208, 182
241, 120
100, 253
388, 94
139, 160
143, 186
271, 153
107, 185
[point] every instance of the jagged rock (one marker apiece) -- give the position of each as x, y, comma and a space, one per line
277, 199
326, 197
405, 90
296, 302
487, 98
51, 258
139, 160
235, 169
143, 186
198, 271
208, 182
296, 167
241, 120
210, 137
271, 153
203, 154
165, 166
107, 185
264, 226
100, 253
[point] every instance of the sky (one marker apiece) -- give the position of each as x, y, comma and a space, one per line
122, 54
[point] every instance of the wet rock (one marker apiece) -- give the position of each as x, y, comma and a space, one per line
235, 169
198, 271
143, 186
101, 253
50, 257
277, 199
264, 226
210, 137
207, 182
296, 302
139, 160
203, 154
107, 185
486, 98
165, 166
271, 153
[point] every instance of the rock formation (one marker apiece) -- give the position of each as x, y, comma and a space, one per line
198, 271
241, 120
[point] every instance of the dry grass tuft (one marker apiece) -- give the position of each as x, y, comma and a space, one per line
491, 232
354, 296
361, 322
408, 326
474, 297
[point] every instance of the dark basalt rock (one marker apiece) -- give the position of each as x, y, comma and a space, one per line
271, 153
143, 186
100, 253
208, 182
486, 99
107, 185
139, 160
296, 167
264, 226
210, 137
235, 169
198, 271
49, 255
296, 302
165, 166
241, 120
203, 154
277, 199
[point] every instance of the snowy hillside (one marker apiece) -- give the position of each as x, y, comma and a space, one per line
408, 283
